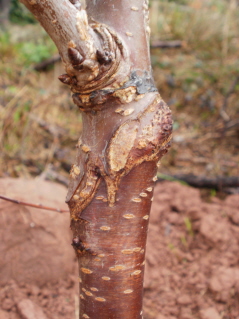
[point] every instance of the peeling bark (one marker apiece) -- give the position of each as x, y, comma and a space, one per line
126, 130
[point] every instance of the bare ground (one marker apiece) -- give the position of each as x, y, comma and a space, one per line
192, 261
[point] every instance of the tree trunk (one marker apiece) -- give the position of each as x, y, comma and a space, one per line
126, 130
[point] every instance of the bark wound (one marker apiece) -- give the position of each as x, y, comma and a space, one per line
101, 78
121, 145
145, 136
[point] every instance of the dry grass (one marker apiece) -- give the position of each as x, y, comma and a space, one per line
36, 112
195, 80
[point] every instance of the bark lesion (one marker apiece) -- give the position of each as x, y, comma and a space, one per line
103, 76
85, 190
142, 138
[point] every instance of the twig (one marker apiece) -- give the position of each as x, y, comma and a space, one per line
217, 183
42, 66
55, 130
232, 124
39, 206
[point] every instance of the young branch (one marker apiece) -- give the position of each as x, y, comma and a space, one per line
39, 206
93, 55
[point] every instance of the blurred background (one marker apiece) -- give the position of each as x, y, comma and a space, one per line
194, 47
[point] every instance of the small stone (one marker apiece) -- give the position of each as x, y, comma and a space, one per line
209, 313
186, 313
214, 229
175, 219
29, 310
184, 300
7, 304
234, 215
45, 292
4, 314
222, 282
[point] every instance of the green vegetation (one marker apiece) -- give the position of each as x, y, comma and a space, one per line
26, 53
188, 225
19, 14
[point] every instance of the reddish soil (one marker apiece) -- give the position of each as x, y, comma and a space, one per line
192, 262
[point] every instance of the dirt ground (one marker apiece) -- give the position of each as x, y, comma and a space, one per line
192, 261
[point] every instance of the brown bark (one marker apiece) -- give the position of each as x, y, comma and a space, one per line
126, 130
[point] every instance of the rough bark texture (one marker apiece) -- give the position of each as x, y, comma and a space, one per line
126, 130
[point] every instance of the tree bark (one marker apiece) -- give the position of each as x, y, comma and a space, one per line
126, 130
